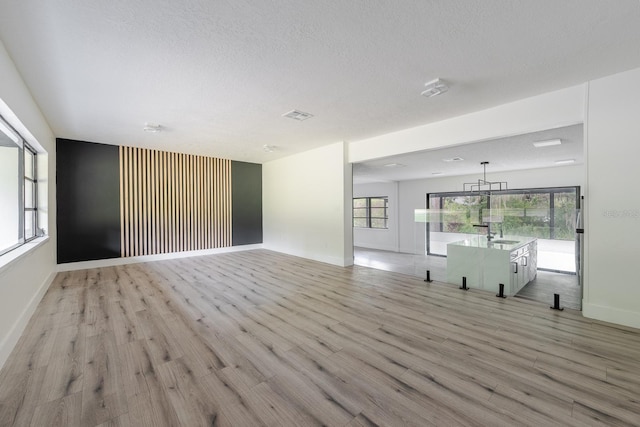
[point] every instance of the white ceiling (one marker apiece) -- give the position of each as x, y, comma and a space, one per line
218, 75
503, 154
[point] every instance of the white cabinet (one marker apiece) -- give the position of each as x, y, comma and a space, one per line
524, 266
511, 260
532, 266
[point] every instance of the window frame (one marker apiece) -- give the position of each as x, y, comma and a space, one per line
22, 145
34, 196
368, 212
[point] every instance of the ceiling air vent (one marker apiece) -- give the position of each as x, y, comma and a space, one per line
297, 115
434, 88
151, 127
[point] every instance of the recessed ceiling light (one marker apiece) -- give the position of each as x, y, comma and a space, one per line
434, 88
565, 162
394, 165
150, 127
547, 143
297, 115
453, 159
269, 148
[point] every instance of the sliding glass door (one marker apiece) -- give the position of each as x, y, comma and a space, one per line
546, 213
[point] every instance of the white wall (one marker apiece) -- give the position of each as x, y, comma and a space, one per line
374, 238
550, 110
9, 158
24, 281
307, 205
612, 220
412, 195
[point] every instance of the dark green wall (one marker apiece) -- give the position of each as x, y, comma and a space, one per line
246, 202
88, 201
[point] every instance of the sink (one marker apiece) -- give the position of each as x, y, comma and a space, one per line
506, 242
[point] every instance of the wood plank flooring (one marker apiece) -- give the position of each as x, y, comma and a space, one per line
260, 338
548, 283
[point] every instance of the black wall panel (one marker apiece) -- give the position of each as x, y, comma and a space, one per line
88, 201
246, 200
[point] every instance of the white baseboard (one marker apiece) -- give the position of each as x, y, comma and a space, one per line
411, 251
11, 339
340, 262
71, 266
387, 248
611, 315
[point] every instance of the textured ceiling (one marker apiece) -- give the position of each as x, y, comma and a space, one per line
218, 75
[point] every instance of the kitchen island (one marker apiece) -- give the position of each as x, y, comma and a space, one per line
511, 260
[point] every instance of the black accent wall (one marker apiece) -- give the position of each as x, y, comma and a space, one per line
88, 201
246, 201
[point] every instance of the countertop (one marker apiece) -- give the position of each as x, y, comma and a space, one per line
482, 243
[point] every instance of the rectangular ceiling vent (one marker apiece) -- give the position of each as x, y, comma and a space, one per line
297, 115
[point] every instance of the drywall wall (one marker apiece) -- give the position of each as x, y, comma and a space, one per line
246, 203
554, 109
307, 205
412, 195
25, 279
383, 239
612, 220
88, 201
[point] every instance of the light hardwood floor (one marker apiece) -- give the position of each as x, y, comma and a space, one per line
260, 338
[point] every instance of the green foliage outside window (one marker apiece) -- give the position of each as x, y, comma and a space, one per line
537, 213
370, 212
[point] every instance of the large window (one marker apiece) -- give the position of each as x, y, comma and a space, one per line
371, 212
18, 190
548, 214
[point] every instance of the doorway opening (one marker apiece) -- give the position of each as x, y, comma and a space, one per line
550, 215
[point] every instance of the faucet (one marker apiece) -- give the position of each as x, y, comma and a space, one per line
489, 233
486, 225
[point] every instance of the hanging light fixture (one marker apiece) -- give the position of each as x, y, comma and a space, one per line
483, 184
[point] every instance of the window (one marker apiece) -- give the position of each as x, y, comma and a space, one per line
371, 212
549, 214
545, 213
18, 190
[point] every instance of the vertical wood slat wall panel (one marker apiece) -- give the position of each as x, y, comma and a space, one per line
172, 202
143, 204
